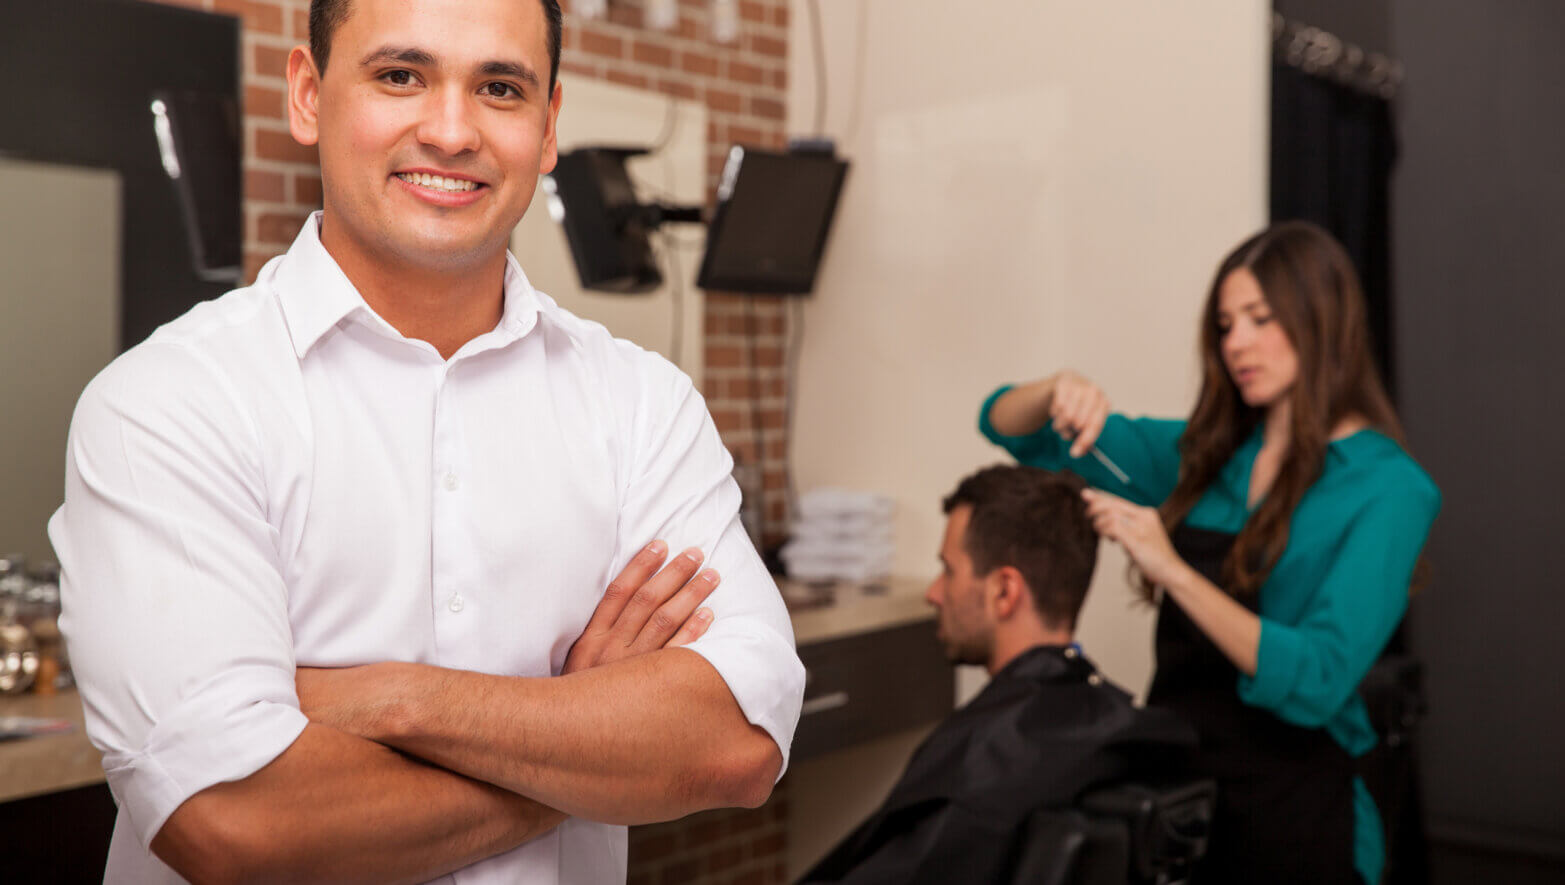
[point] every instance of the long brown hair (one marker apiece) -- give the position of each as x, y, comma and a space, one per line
1310, 286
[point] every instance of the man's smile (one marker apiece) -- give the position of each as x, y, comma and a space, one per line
438, 182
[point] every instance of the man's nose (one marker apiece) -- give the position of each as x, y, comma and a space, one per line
449, 126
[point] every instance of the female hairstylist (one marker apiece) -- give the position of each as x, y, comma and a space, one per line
1281, 525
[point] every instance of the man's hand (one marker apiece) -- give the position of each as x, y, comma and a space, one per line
645, 609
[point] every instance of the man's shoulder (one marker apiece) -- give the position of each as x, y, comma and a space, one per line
624, 361
196, 361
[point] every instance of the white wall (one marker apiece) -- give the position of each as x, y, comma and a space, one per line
1036, 184
59, 325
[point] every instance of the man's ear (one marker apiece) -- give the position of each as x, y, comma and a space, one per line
551, 151
304, 96
1009, 592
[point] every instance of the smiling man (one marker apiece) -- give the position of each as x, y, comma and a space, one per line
335, 544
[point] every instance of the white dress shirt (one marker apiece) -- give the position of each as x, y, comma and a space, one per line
279, 479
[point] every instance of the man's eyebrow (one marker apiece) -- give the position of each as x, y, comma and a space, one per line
508, 69
408, 55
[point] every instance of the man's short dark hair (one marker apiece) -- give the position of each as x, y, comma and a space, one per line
326, 16
1036, 522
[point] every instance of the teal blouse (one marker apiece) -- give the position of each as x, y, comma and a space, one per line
1339, 590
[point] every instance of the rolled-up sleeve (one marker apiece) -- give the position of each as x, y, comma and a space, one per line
681, 489
174, 611
1306, 670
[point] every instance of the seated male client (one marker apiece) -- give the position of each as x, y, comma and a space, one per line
1016, 560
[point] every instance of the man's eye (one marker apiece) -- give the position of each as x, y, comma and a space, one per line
1263, 320
398, 78
500, 90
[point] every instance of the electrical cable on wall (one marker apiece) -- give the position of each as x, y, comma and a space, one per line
820, 68
790, 393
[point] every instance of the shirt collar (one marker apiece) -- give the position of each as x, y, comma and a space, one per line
316, 296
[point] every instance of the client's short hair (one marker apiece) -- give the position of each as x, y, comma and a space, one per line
1036, 522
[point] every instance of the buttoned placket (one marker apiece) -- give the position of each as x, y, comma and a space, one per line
456, 602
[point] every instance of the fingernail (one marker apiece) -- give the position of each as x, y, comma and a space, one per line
692, 554
657, 548
710, 576
703, 614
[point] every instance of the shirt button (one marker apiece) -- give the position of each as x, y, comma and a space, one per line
1094, 679
451, 482
456, 603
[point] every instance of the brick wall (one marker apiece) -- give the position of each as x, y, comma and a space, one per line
743, 86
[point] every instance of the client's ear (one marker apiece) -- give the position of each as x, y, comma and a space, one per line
1010, 593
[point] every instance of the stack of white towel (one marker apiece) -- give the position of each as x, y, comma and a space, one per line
841, 535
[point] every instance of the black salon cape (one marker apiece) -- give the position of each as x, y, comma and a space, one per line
1042, 731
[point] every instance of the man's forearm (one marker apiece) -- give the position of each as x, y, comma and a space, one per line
648, 738
335, 807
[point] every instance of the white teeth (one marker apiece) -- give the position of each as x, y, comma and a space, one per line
424, 179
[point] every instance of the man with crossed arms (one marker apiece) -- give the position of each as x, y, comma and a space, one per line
334, 544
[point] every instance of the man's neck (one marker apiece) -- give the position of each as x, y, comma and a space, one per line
446, 307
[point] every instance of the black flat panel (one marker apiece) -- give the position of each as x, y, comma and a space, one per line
79, 77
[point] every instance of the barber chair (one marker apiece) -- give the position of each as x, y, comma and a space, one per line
1393, 693
1125, 834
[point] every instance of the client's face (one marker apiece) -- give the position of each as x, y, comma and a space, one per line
965, 627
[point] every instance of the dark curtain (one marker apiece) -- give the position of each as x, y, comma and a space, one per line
1333, 149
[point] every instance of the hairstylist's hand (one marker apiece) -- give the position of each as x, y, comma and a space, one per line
1139, 530
1079, 410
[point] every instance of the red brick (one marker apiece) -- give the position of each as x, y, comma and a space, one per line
625, 14
768, 45
270, 61
265, 187
273, 145
723, 100
652, 54
279, 228
266, 18
724, 858
676, 88
765, 846
780, 15
698, 63
744, 72
584, 68
751, 11
769, 108
307, 190
263, 101
747, 136
724, 356
594, 43
301, 25
682, 873
778, 78
625, 78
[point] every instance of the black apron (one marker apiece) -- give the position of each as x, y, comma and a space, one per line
1285, 794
